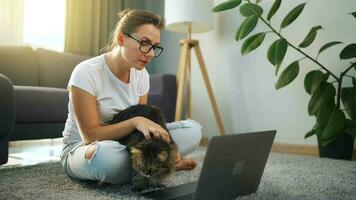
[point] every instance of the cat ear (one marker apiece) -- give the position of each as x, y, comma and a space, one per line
163, 155
135, 150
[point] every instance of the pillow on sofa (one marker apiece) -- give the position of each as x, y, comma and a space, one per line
19, 64
56, 67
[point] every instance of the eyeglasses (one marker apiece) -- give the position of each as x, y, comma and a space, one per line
146, 46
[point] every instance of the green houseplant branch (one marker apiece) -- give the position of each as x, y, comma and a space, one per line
331, 121
294, 47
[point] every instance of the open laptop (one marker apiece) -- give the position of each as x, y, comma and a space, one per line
233, 167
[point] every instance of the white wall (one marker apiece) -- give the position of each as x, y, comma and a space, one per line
244, 85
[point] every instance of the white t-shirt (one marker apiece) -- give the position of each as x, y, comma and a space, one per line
112, 95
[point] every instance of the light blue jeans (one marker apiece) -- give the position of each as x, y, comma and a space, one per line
111, 161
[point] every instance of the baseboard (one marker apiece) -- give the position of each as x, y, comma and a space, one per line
311, 150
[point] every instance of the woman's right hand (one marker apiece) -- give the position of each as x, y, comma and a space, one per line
147, 126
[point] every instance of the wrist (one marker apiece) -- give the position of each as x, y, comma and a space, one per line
134, 121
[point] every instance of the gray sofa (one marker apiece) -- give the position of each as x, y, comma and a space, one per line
34, 98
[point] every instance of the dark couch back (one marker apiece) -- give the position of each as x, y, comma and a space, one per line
20, 65
55, 67
41, 67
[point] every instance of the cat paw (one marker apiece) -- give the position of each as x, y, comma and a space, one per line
186, 164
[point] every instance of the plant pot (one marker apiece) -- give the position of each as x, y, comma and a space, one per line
341, 148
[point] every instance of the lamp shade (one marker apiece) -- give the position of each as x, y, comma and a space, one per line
180, 13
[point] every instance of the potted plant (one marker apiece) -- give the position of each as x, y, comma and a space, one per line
333, 105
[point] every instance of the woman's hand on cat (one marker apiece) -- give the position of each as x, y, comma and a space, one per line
147, 126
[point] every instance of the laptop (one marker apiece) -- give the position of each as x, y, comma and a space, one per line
233, 167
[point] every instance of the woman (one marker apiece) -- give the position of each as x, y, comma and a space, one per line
102, 86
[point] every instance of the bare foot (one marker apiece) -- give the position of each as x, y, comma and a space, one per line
185, 164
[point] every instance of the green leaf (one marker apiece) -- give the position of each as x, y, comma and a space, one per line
288, 75
354, 81
273, 9
250, 9
277, 51
252, 43
350, 127
310, 133
324, 95
348, 97
329, 125
348, 52
312, 81
325, 142
227, 5
277, 69
310, 37
322, 118
246, 27
354, 14
292, 15
258, 1
326, 76
328, 45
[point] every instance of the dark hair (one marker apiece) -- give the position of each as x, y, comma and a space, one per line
129, 21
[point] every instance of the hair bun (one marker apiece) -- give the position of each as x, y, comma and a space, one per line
123, 13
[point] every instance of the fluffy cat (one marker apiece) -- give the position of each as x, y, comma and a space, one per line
152, 159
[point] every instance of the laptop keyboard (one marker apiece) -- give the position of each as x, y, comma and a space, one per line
185, 197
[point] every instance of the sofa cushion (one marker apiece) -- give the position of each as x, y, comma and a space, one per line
163, 93
35, 131
19, 64
40, 104
56, 67
162, 102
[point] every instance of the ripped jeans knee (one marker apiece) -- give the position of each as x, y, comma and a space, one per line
90, 151
107, 161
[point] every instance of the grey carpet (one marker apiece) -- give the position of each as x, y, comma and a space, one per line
285, 177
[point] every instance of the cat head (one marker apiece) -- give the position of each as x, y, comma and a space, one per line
153, 158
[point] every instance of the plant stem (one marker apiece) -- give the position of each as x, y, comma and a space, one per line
340, 83
302, 58
338, 95
300, 51
350, 67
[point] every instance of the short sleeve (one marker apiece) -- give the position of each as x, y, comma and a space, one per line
84, 77
144, 86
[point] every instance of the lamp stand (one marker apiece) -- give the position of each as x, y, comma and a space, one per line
184, 69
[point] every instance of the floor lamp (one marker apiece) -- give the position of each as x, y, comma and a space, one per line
191, 16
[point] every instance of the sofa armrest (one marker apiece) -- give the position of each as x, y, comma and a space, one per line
7, 112
163, 93
7, 106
